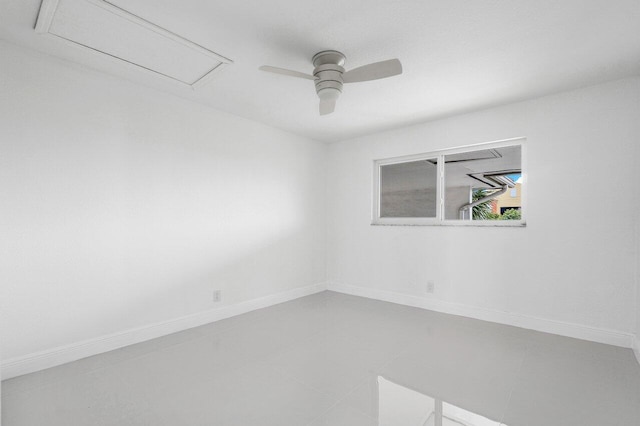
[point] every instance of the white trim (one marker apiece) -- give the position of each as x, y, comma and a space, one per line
441, 189
439, 219
609, 337
45, 16
75, 351
397, 221
208, 77
635, 345
448, 151
48, 10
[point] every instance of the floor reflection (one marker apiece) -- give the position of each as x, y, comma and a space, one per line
401, 406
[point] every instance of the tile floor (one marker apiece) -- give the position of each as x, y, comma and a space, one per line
336, 360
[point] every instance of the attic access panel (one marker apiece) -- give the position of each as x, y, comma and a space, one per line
112, 31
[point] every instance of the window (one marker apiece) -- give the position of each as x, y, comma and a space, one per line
476, 185
409, 189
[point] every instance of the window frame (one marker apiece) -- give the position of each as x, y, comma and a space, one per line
439, 220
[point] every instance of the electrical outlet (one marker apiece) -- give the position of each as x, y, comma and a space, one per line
217, 296
431, 287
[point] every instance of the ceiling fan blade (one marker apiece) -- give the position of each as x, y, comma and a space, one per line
289, 73
373, 71
327, 106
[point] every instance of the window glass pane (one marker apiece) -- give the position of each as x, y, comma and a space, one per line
492, 176
409, 189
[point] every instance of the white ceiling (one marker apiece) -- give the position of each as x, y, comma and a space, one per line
457, 55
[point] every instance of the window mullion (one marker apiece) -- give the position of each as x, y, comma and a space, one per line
440, 188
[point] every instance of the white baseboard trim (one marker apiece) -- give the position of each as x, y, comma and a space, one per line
609, 337
636, 347
75, 351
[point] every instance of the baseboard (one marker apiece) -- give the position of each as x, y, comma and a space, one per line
75, 351
609, 337
636, 347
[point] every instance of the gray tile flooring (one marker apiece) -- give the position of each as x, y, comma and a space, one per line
333, 360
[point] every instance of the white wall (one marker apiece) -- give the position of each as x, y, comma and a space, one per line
573, 263
122, 206
636, 343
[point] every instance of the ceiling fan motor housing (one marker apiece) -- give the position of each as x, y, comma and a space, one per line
328, 72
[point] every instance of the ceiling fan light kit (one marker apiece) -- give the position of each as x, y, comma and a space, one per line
329, 75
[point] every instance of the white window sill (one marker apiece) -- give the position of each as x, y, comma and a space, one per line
433, 222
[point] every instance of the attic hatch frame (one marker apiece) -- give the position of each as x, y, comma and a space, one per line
47, 13
439, 219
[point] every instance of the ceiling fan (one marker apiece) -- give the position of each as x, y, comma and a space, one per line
329, 75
